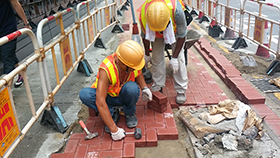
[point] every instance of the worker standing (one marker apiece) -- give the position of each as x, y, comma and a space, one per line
115, 86
163, 22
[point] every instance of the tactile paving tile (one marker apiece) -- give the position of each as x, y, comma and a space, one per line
265, 86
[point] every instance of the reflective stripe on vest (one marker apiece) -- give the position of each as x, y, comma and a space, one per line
172, 7
109, 66
183, 5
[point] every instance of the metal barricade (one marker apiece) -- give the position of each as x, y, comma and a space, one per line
227, 16
86, 33
227, 19
66, 56
11, 133
121, 3
91, 29
63, 65
262, 34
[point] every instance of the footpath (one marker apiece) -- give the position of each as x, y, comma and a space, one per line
212, 78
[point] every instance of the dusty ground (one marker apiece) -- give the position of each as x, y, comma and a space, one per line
260, 69
83, 115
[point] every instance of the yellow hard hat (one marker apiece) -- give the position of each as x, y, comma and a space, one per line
131, 54
158, 16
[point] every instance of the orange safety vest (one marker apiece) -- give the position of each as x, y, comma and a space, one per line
171, 5
109, 65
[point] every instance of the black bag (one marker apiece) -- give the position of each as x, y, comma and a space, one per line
188, 16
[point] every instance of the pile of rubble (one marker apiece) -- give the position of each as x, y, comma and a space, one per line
230, 129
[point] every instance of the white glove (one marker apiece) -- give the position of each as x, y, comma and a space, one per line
174, 65
147, 59
146, 94
120, 134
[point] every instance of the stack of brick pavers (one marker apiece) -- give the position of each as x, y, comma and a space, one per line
159, 102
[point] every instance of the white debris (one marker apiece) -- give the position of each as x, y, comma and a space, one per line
229, 142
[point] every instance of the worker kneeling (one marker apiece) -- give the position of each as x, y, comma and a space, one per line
115, 85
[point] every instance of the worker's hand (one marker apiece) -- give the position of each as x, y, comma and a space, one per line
120, 134
146, 94
28, 27
147, 59
174, 65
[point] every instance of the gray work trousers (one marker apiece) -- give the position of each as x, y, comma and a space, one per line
158, 69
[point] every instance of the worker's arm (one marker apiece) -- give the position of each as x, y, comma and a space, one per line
147, 56
101, 94
17, 7
181, 33
141, 81
179, 45
146, 46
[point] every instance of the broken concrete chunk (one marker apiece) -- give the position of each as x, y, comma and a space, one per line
251, 133
198, 128
205, 149
218, 140
209, 137
198, 145
229, 142
244, 143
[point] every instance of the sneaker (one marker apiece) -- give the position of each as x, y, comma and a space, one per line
115, 117
181, 98
19, 81
157, 88
161, 90
131, 121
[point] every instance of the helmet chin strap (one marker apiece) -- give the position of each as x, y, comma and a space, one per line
126, 70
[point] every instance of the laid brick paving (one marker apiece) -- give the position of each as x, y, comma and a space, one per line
202, 90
